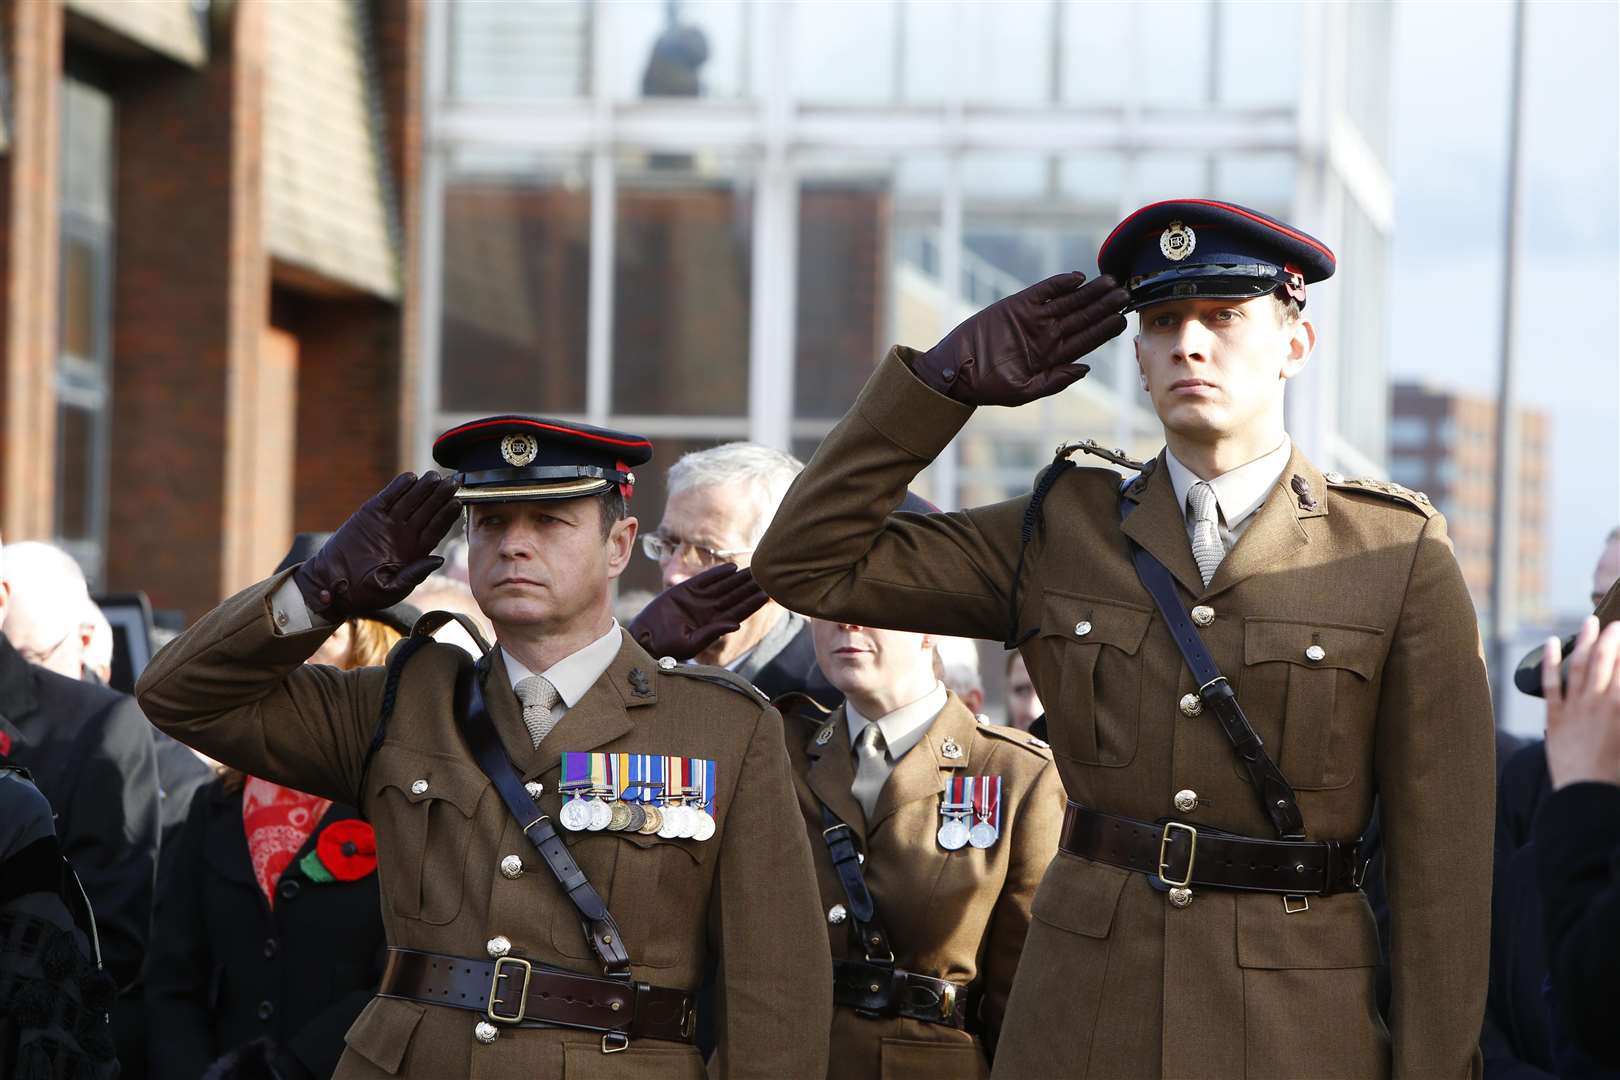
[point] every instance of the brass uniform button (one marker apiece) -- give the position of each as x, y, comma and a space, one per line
512, 867
1191, 705
666, 663
837, 914
1203, 615
498, 946
1180, 897
1082, 628
1186, 800
1315, 654
485, 1032
419, 787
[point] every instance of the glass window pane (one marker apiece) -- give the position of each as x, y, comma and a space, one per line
520, 50
1262, 181
928, 72
512, 335
77, 448
647, 505
1175, 38
1172, 175
678, 48
1009, 50
843, 286
1097, 40
1262, 43
682, 288
844, 52
86, 151
78, 310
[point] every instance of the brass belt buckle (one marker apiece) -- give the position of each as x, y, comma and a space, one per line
947, 1001
1164, 851
516, 1016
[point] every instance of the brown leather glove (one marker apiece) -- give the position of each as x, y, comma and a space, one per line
685, 619
1022, 347
383, 551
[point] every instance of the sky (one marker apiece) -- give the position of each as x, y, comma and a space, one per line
1449, 159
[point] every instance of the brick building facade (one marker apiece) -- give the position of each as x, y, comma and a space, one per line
205, 218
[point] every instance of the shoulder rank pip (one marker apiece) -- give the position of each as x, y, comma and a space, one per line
1385, 488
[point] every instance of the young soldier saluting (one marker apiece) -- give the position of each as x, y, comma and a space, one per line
930, 832
569, 831
1203, 916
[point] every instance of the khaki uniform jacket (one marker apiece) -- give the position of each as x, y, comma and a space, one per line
745, 898
1116, 983
957, 915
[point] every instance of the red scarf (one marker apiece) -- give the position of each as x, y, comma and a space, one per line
277, 821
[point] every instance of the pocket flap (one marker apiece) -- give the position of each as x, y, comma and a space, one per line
902, 1059
383, 1031
640, 840
423, 777
1334, 932
1107, 621
1079, 896
1351, 648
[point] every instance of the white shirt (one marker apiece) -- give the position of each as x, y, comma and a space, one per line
903, 728
1238, 493
575, 673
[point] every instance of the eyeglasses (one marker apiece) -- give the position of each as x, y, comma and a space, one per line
661, 549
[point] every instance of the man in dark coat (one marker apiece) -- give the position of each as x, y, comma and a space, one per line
90, 751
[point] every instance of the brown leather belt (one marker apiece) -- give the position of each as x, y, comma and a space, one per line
517, 992
879, 990
1180, 854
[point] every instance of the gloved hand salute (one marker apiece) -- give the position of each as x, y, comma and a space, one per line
1023, 347
687, 618
384, 550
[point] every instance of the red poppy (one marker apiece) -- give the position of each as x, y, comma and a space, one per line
5, 744
347, 849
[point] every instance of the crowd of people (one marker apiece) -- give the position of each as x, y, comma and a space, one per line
768, 821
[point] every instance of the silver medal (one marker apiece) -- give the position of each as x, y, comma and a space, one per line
705, 826
601, 814
982, 835
575, 814
671, 827
953, 834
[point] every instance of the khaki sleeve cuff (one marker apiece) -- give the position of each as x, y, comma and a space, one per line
914, 417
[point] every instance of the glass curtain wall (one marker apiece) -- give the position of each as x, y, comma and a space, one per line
709, 220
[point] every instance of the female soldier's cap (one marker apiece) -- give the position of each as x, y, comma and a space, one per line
523, 458
1210, 249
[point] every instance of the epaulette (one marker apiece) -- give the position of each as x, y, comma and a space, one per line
668, 665
1387, 488
1039, 747
802, 705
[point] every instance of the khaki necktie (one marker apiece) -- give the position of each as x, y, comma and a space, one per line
538, 697
871, 767
1208, 551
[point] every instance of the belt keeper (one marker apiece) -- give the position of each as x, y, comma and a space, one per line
615, 1042
1304, 903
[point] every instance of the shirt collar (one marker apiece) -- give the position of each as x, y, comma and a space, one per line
575, 673
1238, 492
903, 728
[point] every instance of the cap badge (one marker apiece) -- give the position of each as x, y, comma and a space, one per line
1177, 242
519, 450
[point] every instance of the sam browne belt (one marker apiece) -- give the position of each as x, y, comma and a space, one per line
1180, 854
515, 992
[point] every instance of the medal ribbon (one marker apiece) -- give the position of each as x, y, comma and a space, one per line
599, 766
994, 803
981, 799
576, 769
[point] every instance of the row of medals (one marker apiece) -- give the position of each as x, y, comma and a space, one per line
670, 820
955, 832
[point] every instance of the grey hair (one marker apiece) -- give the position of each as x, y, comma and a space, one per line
959, 664
49, 596
763, 473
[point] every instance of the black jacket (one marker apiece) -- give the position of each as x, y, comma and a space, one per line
90, 751
1577, 840
225, 969
792, 669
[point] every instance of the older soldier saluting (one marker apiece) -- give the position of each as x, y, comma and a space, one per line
1236, 651
931, 831
569, 832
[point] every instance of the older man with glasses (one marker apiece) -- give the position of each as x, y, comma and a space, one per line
720, 502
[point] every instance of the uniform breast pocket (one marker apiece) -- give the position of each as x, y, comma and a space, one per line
1313, 683
423, 804
651, 886
1094, 648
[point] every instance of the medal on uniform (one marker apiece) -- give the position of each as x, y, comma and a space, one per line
575, 814
986, 811
601, 813
954, 808
703, 773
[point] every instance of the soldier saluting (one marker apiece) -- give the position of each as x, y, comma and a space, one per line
1237, 652
568, 832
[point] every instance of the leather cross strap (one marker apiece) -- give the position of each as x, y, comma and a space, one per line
880, 990
515, 992
1276, 794
870, 935
1182, 854
600, 929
